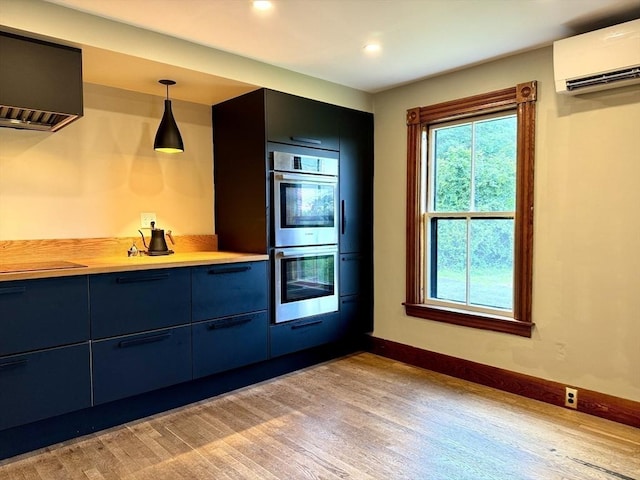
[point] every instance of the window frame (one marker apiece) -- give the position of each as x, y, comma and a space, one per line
521, 98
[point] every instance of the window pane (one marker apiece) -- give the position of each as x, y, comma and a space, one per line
452, 168
495, 165
449, 259
491, 276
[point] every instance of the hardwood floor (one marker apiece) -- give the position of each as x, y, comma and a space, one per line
359, 417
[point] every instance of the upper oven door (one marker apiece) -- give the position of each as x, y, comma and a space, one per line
305, 210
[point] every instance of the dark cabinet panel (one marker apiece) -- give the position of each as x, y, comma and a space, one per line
356, 291
229, 343
301, 121
240, 173
229, 289
356, 181
37, 314
356, 314
129, 302
311, 332
133, 364
353, 273
44, 384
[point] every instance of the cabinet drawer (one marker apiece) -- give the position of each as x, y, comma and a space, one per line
134, 364
301, 121
228, 289
130, 302
229, 343
302, 334
37, 314
44, 384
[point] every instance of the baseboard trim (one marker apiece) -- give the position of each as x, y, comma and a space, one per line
599, 404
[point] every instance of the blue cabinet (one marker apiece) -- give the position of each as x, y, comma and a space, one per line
356, 299
310, 332
229, 303
133, 364
301, 121
229, 289
130, 302
37, 314
133, 350
44, 349
228, 343
43, 384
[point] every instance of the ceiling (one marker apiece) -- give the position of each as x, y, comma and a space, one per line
325, 38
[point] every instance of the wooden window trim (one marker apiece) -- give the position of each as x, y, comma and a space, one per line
522, 98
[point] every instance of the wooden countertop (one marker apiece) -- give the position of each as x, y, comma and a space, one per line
29, 259
89, 266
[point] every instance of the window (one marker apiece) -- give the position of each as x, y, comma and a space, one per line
470, 210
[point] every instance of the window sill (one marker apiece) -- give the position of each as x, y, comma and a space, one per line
474, 320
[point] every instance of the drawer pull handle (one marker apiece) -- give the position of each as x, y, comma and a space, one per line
343, 226
14, 364
11, 290
313, 141
143, 341
305, 325
222, 271
149, 278
349, 301
229, 323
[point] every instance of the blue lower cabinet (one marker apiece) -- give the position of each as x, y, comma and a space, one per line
310, 332
139, 301
43, 313
44, 384
229, 289
355, 314
228, 343
132, 364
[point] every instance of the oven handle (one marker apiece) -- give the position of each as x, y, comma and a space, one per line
306, 252
310, 178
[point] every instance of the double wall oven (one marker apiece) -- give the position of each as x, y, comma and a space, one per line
305, 234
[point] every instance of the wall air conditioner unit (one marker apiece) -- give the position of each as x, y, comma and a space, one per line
607, 58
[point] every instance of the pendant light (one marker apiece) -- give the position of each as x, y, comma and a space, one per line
168, 138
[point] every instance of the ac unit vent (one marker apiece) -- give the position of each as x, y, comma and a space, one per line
604, 78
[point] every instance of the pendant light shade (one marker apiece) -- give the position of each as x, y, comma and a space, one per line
168, 138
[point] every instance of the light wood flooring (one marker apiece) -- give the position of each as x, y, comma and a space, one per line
358, 417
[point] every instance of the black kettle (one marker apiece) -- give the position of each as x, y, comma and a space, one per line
157, 244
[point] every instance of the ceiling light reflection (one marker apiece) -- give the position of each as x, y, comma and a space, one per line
262, 4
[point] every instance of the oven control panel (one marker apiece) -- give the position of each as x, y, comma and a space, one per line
290, 162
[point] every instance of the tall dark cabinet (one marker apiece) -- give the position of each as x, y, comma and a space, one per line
245, 130
356, 217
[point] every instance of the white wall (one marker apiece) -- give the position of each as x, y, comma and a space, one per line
586, 285
93, 177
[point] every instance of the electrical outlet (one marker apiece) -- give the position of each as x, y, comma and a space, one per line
146, 218
571, 397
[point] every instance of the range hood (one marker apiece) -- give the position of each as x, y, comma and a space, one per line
40, 83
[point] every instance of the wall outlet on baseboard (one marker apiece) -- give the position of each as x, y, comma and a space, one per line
571, 397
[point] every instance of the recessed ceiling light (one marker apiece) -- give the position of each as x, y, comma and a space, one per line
262, 4
372, 47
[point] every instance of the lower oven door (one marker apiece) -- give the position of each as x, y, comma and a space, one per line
306, 281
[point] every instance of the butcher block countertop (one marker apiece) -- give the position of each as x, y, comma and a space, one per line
31, 259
